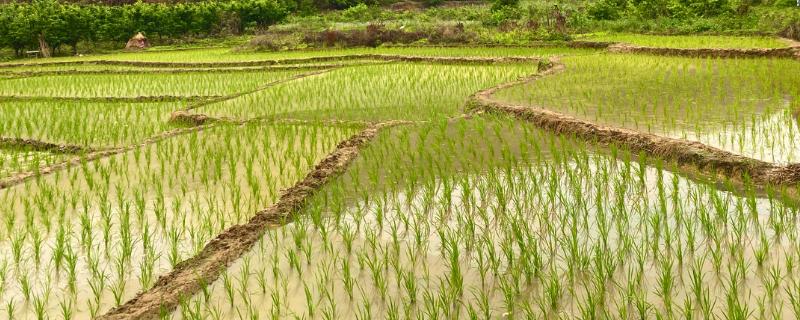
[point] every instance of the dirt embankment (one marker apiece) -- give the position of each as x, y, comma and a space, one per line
194, 119
37, 145
187, 277
703, 157
788, 52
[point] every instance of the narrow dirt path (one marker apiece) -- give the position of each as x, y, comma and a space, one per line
187, 278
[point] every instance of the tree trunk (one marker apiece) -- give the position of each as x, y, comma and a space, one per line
44, 50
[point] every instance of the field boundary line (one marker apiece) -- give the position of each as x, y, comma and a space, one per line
140, 99
216, 70
189, 276
197, 119
288, 61
685, 152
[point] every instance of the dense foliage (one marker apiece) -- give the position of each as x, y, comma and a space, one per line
21, 25
652, 9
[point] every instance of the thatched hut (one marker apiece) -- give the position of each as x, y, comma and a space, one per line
138, 42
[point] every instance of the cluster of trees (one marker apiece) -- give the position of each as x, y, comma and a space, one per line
28, 25
651, 9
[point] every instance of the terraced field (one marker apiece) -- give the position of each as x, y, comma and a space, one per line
399, 183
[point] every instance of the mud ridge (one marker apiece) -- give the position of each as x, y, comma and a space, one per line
195, 119
787, 52
188, 276
534, 45
37, 145
703, 157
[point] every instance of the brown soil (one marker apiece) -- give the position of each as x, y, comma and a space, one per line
194, 119
590, 44
36, 145
188, 277
683, 152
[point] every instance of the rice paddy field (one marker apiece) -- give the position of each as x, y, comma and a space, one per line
216, 184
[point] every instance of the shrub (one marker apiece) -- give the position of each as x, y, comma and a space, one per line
792, 30
499, 5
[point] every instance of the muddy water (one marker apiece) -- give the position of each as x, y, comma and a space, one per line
12, 161
93, 236
743, 106
516, 227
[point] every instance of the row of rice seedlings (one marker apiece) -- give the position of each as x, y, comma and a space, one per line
60, 67
141, 85
744, 106
85, 124
228, 55
393, 91
13, 161
693, 41
530, 226
78, 242
100, 67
